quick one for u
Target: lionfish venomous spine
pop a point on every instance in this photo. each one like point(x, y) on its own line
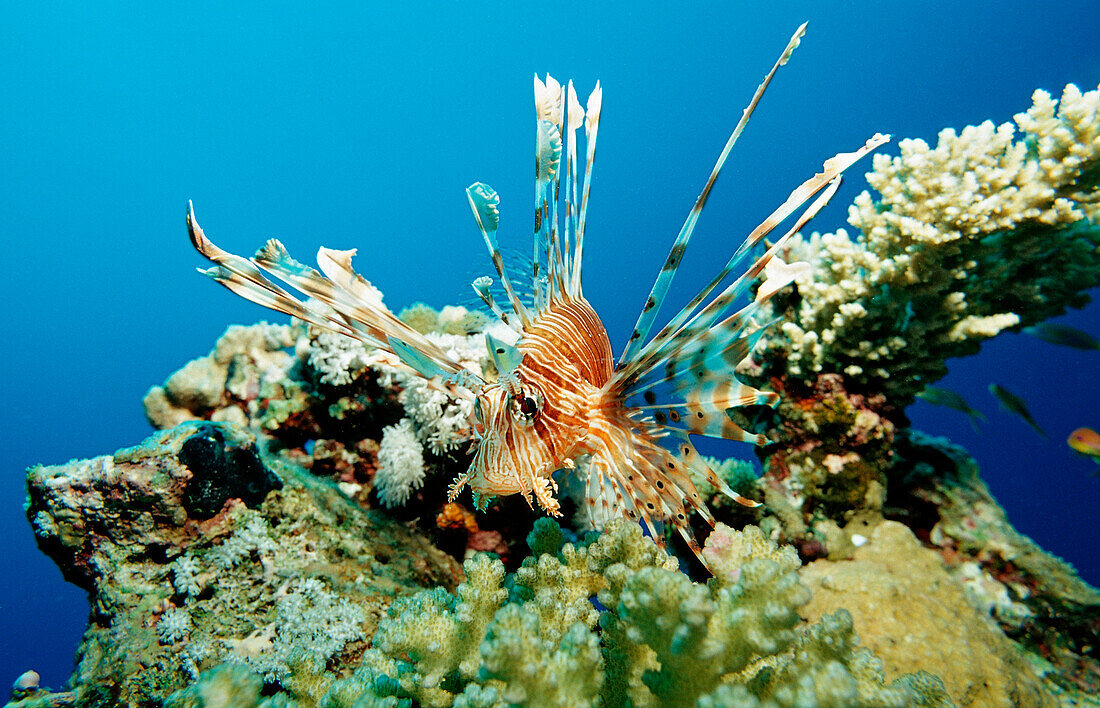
point(561, 399)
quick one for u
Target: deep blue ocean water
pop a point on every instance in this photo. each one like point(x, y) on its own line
point(359, 125)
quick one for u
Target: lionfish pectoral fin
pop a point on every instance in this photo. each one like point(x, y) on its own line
point(338, 300)
point(668, 271)
point(244, 278)
point(414, 359)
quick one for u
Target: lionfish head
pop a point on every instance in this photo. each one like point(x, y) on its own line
point(512, 455)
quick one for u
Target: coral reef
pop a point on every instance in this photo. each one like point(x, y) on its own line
point(661, 639)
point(238, 557)
point(833, 448)
point(1036, 598)
point(232, 566)
point(982, 233)
point(284, 578)
point(531, 638)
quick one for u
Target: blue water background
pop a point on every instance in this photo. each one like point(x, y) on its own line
point(359, 125)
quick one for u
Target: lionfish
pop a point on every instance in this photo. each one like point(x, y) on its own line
point(561, 397)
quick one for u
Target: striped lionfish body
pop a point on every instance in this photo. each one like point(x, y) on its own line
point(561, 399)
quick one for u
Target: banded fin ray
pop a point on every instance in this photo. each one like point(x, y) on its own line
point(700, 358)
point(826, 179)
point(664, 279)
point(353, 308)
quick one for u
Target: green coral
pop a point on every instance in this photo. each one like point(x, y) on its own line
point(654, 638)
point(423, 318)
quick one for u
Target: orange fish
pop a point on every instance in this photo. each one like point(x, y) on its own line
point(563, 400)
point(1085, 441)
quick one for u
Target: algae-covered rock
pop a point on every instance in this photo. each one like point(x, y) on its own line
point(910, 612)
point(199, 548)
point(1037, 598)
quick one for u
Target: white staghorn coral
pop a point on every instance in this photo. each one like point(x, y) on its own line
point(986, 231)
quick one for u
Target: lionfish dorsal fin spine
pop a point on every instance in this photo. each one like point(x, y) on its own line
point(557, 247)
point(574, 119)
point(591, 129)
point(679, 246)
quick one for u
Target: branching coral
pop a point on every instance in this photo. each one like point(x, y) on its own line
point(654, 638)
point(982, 233)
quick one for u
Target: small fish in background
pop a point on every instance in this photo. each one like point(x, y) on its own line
point(1087, 442)
point(1014, 404)
point(1063, 335)
point(949, 399)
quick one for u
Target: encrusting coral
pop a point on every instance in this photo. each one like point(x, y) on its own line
point(916, 600)
point(984, 232)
